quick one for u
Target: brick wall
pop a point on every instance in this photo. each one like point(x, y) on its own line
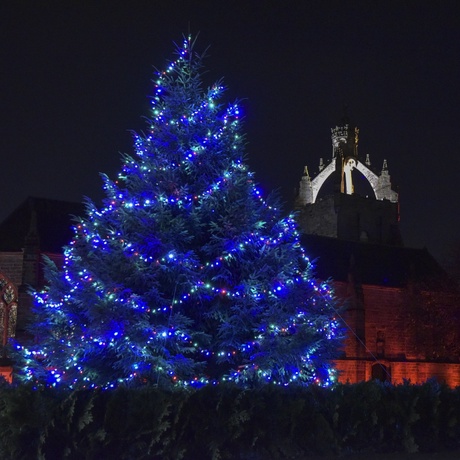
point(352, 371)
point(385, 322)
point(418, 372)
point(390, 348)
point(11, 266)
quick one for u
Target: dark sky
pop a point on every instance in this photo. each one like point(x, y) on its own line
point(75, 77)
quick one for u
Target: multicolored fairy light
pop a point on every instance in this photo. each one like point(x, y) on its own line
point(185, 275)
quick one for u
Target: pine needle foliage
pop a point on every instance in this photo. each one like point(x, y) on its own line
point(186, 275)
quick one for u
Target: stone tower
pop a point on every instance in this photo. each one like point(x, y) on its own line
point(344, 213)
point(348, 213)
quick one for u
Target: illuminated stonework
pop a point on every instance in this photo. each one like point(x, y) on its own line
point(345, 159)
point(363, 211)
point(393, 296)
point(8, 309)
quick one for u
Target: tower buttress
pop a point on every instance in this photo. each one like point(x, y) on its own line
point(305, 189)
point(383, 189)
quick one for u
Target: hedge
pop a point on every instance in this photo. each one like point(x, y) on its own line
point(226, 422)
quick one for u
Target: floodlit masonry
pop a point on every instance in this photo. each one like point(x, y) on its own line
point(393, 295)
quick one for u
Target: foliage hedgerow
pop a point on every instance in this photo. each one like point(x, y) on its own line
point(227, 422)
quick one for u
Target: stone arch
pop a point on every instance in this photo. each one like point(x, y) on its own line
point(321, 178)
point(380, 372)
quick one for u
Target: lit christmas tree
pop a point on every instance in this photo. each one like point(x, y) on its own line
point(185, 275)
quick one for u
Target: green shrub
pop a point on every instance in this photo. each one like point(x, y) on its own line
point(226, 422)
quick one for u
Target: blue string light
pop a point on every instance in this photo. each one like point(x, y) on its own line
point(164, 256)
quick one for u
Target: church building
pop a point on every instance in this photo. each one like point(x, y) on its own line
point(401, 312)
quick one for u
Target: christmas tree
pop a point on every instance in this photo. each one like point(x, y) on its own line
point(184, 275)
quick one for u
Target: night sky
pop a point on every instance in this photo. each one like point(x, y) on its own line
point(75, 79)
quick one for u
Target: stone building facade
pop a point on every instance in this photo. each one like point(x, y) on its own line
point(402, 314)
